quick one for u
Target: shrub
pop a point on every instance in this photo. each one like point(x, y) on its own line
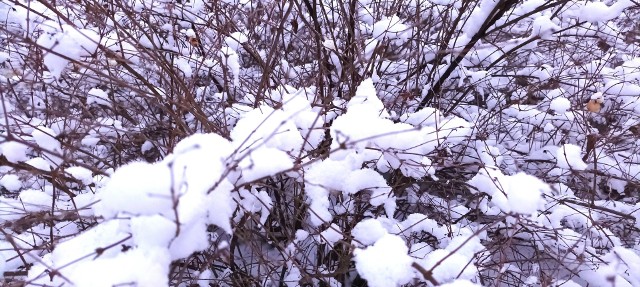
point(319, 143)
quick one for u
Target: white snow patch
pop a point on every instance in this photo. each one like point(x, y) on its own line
point(386, 263)
point(11, 182)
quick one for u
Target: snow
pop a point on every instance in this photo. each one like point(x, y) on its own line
point(420, 250)
point(3, 259)
point(560, 105)
point(386, 263)
point(11, 182)
point(567, 283)
point(84, 201)
point(528, 6)
point(97, 96)
point(519, 193)
point(365, 98)
point(479, 15)
point(35, 200)
point(331, 235)
point(204, 278)
point(39, 163)
point(46, 139)
point(90, 141)
point(138, 188)
point(140, 264)
point(231, 59)
point(184, 67)
point(544, 27)
point(624, 261)
point(598, 11)
point(154, 207)
point(66, 43)
point(255, 201)
point(121, 47)
point(293, 277)
point(235, 40)
point(370, 47)
point(152, 231)
point(489, 155)
point(207, 194)
point(80, 173)
point(393, 29)
point(330, 153)
point(450, 266)
point(14, 151)
point(630, 69)
point(569, 157)
point(263, 162)
point(368, 231)
point(522, 201)
point(143, 266)
point(268, 127)
point(322, 177)
point(467, 244)
point(416, 223)
point(367, 179)
point(146, 146)
point(619, 88)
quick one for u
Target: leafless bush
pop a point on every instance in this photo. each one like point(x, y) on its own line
point(89, 86)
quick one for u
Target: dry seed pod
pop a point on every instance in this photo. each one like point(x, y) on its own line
point(194, 41)
point(594, 105)
point(591, 145)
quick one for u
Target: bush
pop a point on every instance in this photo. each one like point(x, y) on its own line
point(319, 143)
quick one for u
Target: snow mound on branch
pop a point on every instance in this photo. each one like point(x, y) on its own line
point(65, 44)
point(80, 173)
point(328, 176)
point(98, 97)
point(232, 60)
point(519, 193)
point(366, 134)
point(138, 188)
point(450, 265)
point(235, 40)
point(598, 11)
point(560, 104)
point(567, 156)
point(544, 27)
point(368, 231)
point(393, 29)
point(366, 99)
point(386, 263)
point(11, 182)
point(161, 210)
point(14, 151)
point(267, 127)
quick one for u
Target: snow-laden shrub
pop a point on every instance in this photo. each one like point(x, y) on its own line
point(319, 143)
